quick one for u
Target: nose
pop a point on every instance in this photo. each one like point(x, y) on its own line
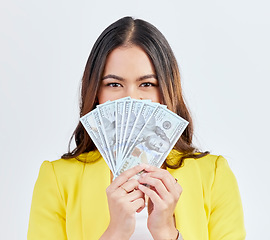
point(133, 93)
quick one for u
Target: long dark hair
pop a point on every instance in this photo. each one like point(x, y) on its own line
point(128, 31)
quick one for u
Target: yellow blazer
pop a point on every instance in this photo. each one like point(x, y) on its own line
point(69, 199)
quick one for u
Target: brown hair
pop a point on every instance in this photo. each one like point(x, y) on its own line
point(129, 31)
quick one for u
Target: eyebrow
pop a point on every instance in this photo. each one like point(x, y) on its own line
point(146, 77)
point(122, 79)
point(113, 76)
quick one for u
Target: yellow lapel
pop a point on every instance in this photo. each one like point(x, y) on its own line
point(190, 216)
point(94, 206)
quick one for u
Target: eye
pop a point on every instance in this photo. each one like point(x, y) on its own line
point(114, 84)
point(147, 84)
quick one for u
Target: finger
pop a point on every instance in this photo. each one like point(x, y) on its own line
point(156, 183)
point(151, 194)
point(130, 185)
point(136, 194)
point(140, 209)
point(125, 176)
point(138, 204)
point(151, 168)
point(168, 180)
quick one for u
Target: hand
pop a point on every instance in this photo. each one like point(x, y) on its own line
point(124, 199)
point(163, 194)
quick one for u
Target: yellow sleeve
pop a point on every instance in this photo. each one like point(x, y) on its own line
point(47, 215)
point(226, 219)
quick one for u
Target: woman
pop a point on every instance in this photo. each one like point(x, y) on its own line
point(75, 197)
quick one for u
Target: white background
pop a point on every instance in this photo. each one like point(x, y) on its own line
point(223, 51)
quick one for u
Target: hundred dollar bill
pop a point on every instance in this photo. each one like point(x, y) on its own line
point(101, 132)
point(107, 117)
point(126, 108)
point(128, 124)
point(90, 125)
point(155, 140)
point(119, 118)
point(141, 116)
point(133, 110)
point(99, 116)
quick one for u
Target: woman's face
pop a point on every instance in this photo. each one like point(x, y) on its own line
point(128, 72)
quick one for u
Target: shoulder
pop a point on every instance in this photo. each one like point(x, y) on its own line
point(215, 166)
point(210, 163)
point(68, 170)
point(207, 163)
point(66, 166)
point(207, 167)
point(58, 176)
point(60, 167)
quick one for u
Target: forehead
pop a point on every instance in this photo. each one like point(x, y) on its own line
point(128, 60)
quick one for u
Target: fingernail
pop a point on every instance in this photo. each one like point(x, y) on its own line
point(144, 174)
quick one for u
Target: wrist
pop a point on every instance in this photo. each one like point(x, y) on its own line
point(166, 234)
point(112, 234)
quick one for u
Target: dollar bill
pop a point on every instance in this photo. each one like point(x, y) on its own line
point(142, 116)
point(126, 109)
point(90, 125)
point(128, 132)
point(119, 120)
point(106, 113)
point(119, 106)
point(155, 140)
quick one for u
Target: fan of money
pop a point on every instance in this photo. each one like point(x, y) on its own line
point(128, 132)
